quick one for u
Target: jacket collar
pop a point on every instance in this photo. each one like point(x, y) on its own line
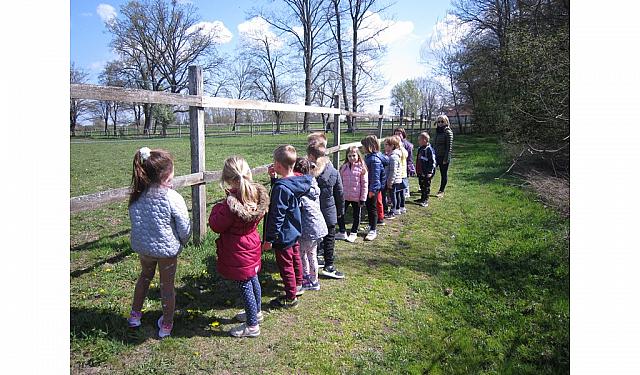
point(244, 212)
point(321, 164)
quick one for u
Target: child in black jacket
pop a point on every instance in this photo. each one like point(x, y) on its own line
point(425, 168)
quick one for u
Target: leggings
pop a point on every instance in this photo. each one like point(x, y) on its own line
point(372, 211)
point(444, 168)
point(398, 191)
point(252, 297)
point(356, 217)
point(167, 268)
point(309, 255)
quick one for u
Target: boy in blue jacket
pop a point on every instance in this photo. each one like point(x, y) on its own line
point(425, 168)
point(284, 223)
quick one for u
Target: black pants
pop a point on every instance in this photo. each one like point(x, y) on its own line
point(443, 176)
point(385, 203)
point(356, 217)
point(425, 187)
point(328, 245)
point(372, 211)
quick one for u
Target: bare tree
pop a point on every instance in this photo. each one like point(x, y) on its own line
point(242, 74)
point(336, 30)
point(312, 42)
point(158, 41)
point(78, 107)
point(429, 92)
point(113, 75)
point(271, 70)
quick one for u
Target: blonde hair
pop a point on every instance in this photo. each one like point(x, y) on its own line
point(370, 144)
point(317, 139)
point(285, 155)
point(443, 118)
point(424, 135)
point(237, 170)
point(360, 160)
point(393, 141)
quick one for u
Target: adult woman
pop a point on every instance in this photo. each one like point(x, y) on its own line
point(443, 144)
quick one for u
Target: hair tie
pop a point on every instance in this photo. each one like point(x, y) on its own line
point(145, 152)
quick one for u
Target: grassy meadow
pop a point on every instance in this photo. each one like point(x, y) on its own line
point(502, 255)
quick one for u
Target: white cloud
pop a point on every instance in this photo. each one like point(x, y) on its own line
point(257, 29)
point(395, 30)
point(106, 12)
point(216, 30)
point(97, 66)
point(446, 32)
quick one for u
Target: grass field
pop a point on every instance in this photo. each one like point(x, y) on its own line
point(503, 254)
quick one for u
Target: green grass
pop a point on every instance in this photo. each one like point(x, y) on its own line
point(504, 255)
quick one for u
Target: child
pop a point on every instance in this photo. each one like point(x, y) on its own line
point(284, 223)
point(394, 179)
point(425, 168)
point(313, 227)
point(331, 202)
point(376, 180)
point(410, 167)
point(238, 246)
point(355, 177)
point(443, 145)
point(160, 228)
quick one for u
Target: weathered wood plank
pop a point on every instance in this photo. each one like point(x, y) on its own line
point(196, 123)
point(121, 94)
point(208, 101)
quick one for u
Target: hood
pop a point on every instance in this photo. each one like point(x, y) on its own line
point(314, 190)
point(397, 151)
point(299, 185)
point(246, 213)
point(321, 164)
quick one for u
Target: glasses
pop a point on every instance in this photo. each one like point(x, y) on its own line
point(439, 122)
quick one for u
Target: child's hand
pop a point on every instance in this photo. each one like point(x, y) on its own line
point(271, 171)
point(370, 194)
point(266, 246)
point(429, 175)
point(362, 203)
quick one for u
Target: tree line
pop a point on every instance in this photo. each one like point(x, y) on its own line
point(329, 44)
point(511, 65)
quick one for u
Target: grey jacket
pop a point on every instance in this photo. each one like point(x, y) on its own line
point(331, 194)
point(313, 224)
point(160, 224)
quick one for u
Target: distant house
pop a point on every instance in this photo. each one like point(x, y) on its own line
point(465, 111)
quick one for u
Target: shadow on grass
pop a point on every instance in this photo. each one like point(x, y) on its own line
point(97, 243)
point(123, 249)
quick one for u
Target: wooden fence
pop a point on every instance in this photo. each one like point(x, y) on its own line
point(196, 103)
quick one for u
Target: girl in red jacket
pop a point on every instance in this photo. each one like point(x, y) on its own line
point(239, 246)
point(355, 178)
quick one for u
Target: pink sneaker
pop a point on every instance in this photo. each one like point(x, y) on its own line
point(134, 319)
point(164, 330)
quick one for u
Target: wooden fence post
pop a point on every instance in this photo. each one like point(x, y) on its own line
point(196, 126)
point(380, 123)
point(401, 119)
point(336, 130)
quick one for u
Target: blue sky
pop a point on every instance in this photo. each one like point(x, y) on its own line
point(413, 22)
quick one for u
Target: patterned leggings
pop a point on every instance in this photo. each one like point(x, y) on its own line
point(252, 296)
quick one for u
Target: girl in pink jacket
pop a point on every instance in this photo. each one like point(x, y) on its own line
point(238, 246)
point(355, 185)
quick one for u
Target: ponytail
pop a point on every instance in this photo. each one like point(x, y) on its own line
point(236, 169)
point(150, 167)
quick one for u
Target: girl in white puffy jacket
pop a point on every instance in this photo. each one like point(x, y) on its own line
point(160, 227)
point(394, 179)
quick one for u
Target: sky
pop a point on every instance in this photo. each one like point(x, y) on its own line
point(34, 150)
point(411, 24)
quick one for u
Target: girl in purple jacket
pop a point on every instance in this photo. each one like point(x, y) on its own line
point(355, 185)
point(239, 245)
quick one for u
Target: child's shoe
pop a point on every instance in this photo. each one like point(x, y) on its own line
point(284, 303)
point(242, 316)
point(424, 204)
point(371, 235)
point(332, 272)
point(396, 212)
point(380, 222)
point(164, 330)
point(341, 236)
point(403, 210)
point(440, 194)
point(134, 319)
point(243, 330)
point(390, 215)
point(307, 284)
point(352, 237)
point(320, 261)
point(299, 290)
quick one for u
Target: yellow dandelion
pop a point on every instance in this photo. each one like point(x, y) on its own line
point(101, 291)
point(108, 270)
point(214, 324)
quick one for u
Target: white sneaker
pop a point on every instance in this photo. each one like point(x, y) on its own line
point(245, 331)
point(352, 237)
point(403, 210)
point(371, 235)
point(164, 330)
point(242, 316)
point(134, 319)
point(341, 236)
point(396, 212)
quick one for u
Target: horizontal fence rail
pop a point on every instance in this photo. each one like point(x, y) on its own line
point(122, 94)
point(103, 198)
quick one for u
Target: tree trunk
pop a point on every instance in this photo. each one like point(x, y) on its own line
point(147, 118)
point(343, 78)
point(235, 119)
